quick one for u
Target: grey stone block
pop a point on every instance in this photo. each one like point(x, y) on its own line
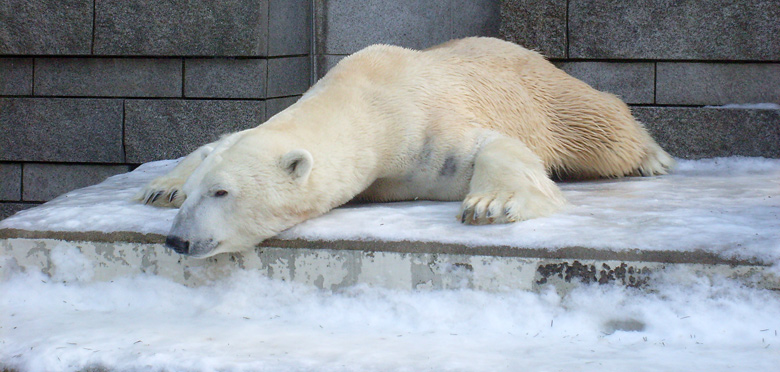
point(695, 133)
point(288, 76)
point(289, 27)
point(633, 82)
point(46, 26)
point(225, 78)
point(168, 129)
point(181, 27)
point(43, 182)
point(9, 209)
point(16, 75)
point(671, 29)
point(61, 129)
point(325, 63)
point(717, 83)
point(536, 24)
point(10, 181)
point(276, 105)
point(111, 77)
point(350, 25)
point(475, 18)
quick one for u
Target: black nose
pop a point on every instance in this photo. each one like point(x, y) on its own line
point(177, 244)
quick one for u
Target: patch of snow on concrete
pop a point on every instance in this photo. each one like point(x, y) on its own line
point(726, 206)
point(748, 106)
point(104, 207)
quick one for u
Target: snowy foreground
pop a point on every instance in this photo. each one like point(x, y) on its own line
point(245, 322)
point(249, 323)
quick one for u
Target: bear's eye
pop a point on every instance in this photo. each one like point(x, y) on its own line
point(220, 193)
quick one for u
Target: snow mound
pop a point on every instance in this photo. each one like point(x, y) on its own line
point(246, 322)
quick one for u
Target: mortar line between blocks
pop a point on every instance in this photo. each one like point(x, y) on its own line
point(313, 43)
point(94, 22)
point(183, 76)
point(267, 65)
point(268, 28)
point(449, 15)
point(267, 53)
point(124, 121)
point(655, 83)
point(32, 84)
point(21, 181)
point(566, 42)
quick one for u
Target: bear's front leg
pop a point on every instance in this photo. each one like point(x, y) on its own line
point(509, 184)
point(166, 191)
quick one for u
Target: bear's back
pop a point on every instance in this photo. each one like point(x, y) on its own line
point(517, 92)
point(500, 86)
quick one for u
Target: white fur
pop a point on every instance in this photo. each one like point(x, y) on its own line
point(478, 120)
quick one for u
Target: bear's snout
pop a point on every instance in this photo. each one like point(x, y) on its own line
point(178, 245)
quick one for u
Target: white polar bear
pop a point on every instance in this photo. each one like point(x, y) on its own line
point(478, 119)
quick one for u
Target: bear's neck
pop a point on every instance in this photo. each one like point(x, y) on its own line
point(351, 140)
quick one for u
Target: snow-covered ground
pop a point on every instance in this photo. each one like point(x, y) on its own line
point(729, 207)
point(246, 322)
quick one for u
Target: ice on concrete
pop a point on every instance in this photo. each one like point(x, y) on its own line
point(728, 206)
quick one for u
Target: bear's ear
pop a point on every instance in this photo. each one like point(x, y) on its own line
point(298, 164)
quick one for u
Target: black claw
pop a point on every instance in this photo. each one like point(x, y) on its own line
point(172, 196)
point(156, 196)
point(488, 214)
point(463, 216)
point(148, 198)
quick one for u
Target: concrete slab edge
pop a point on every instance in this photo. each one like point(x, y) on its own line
point(417, 247)
point(334, 269)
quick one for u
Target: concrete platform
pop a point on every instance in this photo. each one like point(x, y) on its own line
point(717, 218)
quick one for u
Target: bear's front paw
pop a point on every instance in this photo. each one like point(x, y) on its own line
point(483, 209)
point(162, 192)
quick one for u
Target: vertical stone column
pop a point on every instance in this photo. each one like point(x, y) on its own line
point(346, 26)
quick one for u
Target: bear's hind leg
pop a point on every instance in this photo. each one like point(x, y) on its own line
point(509, 184)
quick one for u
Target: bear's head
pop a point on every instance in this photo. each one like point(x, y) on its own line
point(242, 195)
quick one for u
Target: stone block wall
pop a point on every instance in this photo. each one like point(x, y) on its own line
point(346, 26)
point(91, 88)
point(672, 61)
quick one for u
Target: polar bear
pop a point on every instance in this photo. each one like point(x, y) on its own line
point(478, 119)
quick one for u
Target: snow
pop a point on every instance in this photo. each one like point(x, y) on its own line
point(105, 207)
point(748, 106)
point(247, 322)
point(727, 206)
